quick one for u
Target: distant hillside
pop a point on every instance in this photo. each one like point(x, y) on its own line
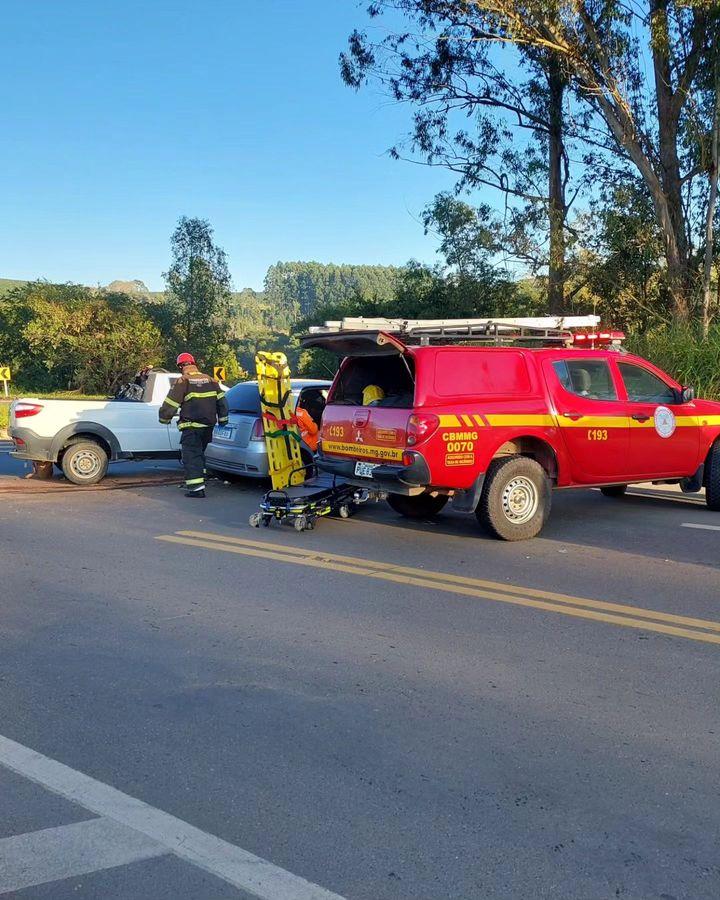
point(135, 287)
point(7, 284)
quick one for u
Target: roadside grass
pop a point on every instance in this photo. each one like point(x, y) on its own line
point(4, 413)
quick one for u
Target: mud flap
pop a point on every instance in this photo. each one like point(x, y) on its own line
point(467, 501)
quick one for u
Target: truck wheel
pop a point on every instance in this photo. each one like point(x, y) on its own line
point(516, 497)
point(614, 490)
point(712, 478)
point(420, 506)
point(85, 463)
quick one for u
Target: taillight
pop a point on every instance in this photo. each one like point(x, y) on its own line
point(420, 426)
point(23, 410)
point(257, 433)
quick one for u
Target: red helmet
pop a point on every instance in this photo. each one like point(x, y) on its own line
point(185, 359)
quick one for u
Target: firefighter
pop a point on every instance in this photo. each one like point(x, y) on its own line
point(199, 403)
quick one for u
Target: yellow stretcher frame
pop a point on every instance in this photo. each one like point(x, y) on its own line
point(282, 435)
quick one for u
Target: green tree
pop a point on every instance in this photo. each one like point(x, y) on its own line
point(653, 121)
point(70, 336)
point(294, 290)
point(198, 290)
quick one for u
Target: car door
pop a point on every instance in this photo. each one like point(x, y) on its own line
point(591, 417)
point(659, 445)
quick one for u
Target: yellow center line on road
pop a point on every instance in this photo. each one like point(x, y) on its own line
point(597, 610)
point(495, 586)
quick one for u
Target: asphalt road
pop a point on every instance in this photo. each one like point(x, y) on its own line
point(377, 708)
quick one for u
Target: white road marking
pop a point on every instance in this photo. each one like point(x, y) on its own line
point(240, 868)
point(69, 851)
point(703, 527)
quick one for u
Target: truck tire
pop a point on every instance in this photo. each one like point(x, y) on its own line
point(421, 506)
point(85, 462)
point(712, 478)
point(516, 498)
point(614, 490)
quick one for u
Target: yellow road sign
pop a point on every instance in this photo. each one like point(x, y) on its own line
point(4, 373)
point(219, 373)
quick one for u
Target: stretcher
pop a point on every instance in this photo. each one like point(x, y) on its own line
point(282, 434)
point(302, 506)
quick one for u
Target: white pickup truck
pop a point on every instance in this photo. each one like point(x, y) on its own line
point(83, 436)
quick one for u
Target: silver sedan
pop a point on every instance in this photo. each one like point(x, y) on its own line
point(238, 448)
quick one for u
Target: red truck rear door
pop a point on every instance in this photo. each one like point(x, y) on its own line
point(591, 416)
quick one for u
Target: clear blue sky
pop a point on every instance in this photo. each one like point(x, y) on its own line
point(118, 117)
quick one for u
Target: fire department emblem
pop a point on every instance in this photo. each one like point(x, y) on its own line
point(664, 422)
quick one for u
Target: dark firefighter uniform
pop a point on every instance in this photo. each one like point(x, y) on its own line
point(200, 403)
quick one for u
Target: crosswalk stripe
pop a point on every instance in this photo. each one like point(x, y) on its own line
point(238, 867)
point(70, 850)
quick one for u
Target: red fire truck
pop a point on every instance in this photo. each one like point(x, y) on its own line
point(494, 414)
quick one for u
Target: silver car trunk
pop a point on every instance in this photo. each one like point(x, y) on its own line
point(237, 432)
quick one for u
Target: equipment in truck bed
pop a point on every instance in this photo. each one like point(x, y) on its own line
point(539, 330)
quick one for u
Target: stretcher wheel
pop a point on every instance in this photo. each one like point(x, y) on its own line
point(344, 511)
point(301, 523)
point(255, 520)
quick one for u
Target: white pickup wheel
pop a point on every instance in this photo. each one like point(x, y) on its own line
point(85, 462)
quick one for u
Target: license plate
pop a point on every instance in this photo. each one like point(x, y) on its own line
point(224, 432)
point(365, 470)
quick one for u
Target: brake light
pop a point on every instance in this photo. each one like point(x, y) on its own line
point(19, 442)
point(258, 434)
point(420, 426)
point(602, 338)
point(23, 410)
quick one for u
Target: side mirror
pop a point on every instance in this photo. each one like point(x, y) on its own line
point(687, 394)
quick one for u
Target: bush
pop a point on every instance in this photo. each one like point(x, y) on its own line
point(682, 353)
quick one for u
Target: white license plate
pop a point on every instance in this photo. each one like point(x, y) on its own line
point(365, 470)
point(225, 432)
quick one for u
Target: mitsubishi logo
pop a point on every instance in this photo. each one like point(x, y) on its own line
point(358, 437)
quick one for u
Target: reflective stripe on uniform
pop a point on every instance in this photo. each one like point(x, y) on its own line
point(223, 421)
point(183, 425)
point(171, 402)
point(199, 395)
point(220, 395)
point(195, 481)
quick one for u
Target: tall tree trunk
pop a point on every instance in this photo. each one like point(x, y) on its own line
point(557, 210)
point(712, 200)
point(672, 217)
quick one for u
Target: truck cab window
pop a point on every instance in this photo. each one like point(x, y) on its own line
point(589, 378)
point(644, 387)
